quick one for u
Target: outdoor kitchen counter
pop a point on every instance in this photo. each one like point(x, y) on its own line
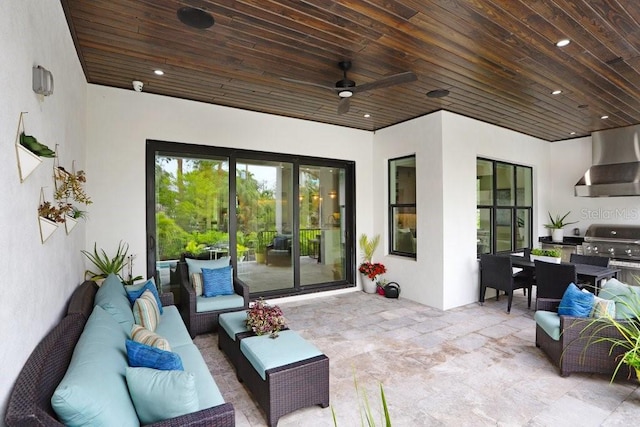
point(568, 240)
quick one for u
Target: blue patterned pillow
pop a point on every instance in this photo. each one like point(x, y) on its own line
point(145, 356)
point(575, 302)
point(218, 281)
point(134, 292)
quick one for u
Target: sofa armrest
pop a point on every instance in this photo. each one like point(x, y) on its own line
point(218, 416)
point(241, 289)
point(547, 304)
point(167, 298)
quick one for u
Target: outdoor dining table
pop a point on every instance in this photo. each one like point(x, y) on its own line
point(591, 273)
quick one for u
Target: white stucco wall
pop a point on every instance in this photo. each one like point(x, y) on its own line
point(120, 121)
point(37, 278)
point(420, 279)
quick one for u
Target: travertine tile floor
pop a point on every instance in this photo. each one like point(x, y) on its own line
point(470, 366)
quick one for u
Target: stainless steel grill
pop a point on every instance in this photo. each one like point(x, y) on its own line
point(621, 243)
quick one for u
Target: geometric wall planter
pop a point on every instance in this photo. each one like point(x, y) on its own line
point(27, 160)
point(69, 223)
point(47, 228)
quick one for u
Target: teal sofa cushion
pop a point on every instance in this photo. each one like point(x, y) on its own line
point(575, 302)
point(549, 321)
point(222, 302)
point(160, 395)
point(233, 323)
point(208, 392)
point(93, 391)
point(626, 297)
point(112, 297)
point(172, 327)
point(266, 353)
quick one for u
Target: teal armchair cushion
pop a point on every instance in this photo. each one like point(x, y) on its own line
point(549, 322)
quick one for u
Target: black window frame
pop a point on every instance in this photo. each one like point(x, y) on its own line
point(393, 206)
point(155, 147)
point(514, 208)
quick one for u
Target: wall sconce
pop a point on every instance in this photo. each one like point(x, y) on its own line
point(332, 194)
point(42, 81)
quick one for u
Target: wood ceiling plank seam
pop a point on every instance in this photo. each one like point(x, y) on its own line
point(543, 51)
point(393, 7)
point(614, 19)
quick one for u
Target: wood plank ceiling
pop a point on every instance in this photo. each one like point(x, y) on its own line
point(497, 58)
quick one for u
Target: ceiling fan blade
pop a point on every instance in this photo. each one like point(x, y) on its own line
point(302, 82)
point(343, 105)
point(407, 76)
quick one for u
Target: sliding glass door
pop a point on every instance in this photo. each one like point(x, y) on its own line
point(285, 221)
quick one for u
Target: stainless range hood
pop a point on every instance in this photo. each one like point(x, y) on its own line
point(616, 164)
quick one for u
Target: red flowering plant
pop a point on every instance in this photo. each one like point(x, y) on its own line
point(263, 318)
point(372, 269)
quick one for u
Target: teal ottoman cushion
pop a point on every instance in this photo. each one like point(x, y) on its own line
point(233, 323)
point(266, 353)
point(549, 321)
point(221, 302)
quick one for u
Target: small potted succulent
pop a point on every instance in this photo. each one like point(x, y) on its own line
point(556, 226)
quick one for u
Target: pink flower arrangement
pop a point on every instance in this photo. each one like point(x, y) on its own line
point(371, 269)
point(263, 318)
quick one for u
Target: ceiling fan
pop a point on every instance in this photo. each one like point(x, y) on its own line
point(346, 88)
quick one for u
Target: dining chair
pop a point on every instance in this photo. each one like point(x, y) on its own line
point(553, 279)
point(496, 271)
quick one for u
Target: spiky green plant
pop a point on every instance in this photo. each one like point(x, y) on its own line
point(368, 246)
point(105, 264)
point(364, 409)
point(558, 222)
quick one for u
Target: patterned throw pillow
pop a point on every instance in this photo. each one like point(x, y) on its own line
point(145, 336)
point(134, 292)
point(145, 356)
point(217, 281)
point(146, 312)
point(196, 281)
point(603, 308)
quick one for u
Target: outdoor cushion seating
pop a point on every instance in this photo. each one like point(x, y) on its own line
point(279, 251)
point(200, 313)
point(571, 343)
point(76, 375)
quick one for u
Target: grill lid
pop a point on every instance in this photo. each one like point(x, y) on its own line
point(629, 234)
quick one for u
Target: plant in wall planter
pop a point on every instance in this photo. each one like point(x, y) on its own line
point(49, 216)
point(556, 226)
point(70, 190)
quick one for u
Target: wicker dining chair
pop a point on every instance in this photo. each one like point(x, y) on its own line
point(496, 271)
point(553, 279)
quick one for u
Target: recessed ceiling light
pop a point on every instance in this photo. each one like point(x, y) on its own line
point(196, 18)
point(556, 92)
point(438, 93)
point(158, 72)
point(366, 116)
point(604, 117)
point(572, 133)
point(563, 42)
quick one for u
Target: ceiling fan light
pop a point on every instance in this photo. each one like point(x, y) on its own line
point(345, 94)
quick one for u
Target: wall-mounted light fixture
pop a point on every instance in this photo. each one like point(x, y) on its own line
point(42, 81)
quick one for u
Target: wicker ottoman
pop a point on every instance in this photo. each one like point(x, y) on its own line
point(232, 328)
point(283, 374)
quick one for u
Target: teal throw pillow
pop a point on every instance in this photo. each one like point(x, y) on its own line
point(145, 356)
point(218, 281)
point(133, 293)
point(626, 298)
point(160, 395)
point(575, 302)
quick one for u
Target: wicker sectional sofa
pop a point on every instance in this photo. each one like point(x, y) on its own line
point(31, 400)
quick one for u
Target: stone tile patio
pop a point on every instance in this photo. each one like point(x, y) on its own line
point(470, 366)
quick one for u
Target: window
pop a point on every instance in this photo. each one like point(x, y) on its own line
point(402, 206)
point(504, 206)
point(284, 220)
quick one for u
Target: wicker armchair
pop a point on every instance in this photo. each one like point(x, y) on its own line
point(576, 350)
point(199, 323)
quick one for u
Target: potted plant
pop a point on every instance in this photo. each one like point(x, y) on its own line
point(263, 318)
point(548, 255)
point(105, 264)
point(556, 226)
point(261, 251)
point(370, 270)
point(49, 216)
